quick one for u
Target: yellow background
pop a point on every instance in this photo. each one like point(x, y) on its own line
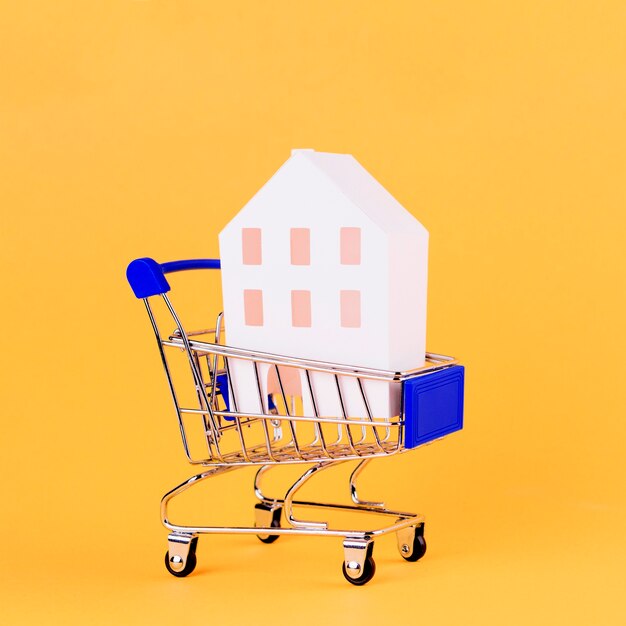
point(140, 128)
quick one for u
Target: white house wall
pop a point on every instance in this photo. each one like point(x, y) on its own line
point(300, 195)
point(408, 276)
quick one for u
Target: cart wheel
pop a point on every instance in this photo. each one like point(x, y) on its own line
point(263, 514)
point(190, 563)
point(369, 569)
point(417, 550)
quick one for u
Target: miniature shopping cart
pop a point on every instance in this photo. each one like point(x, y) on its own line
point(217, 435)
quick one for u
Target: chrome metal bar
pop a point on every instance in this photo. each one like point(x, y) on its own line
point(190, 482)
point(345, 415)
point(205, 420)
point(195, 333)
point(363, 428)
point(369, 412)
point(300, 418)
point(196, 375)
point(257, 485)
point(350, 507)
point(436, 362)
point(353, 492)
point(170, 382)
point(308, 531)
point(217, 331)
point(266, 432)
point(244, 421)
point(292, 428)
point(288, 501)
point(318, 428)
point(287, 455)
point(233, 400)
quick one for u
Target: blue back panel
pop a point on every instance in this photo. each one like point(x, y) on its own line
point(433, 405)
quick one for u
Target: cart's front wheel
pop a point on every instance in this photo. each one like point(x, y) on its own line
point(179, 566)
point(367, 572)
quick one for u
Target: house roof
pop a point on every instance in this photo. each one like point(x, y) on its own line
point(343, 175)
point(362, 189)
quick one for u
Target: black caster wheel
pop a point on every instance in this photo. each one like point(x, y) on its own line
point(418, 549)
point(369, 569)
point(190, 563)
point(263, 516)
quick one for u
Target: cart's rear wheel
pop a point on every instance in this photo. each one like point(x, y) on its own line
point(416, 549)
point(367, 572)
point(173, 564)
point(267, 516)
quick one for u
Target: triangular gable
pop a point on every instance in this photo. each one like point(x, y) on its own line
point(363, 190)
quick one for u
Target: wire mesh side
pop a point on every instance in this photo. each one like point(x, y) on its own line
point(218, 428)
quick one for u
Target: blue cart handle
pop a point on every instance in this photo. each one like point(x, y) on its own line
point(147, 277)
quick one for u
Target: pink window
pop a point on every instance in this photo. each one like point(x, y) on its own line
point(251, 246)
point(289, 377)
point(350, 241)
point(301, 308)
point(350, 302)
point(253, 307)
point(300, 246)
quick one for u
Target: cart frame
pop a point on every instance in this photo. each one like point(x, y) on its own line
point(210, 364)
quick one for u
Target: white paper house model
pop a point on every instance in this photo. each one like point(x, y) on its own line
point(323, 263)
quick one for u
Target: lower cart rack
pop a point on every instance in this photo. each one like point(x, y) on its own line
point(358, 567)
point(239, 408)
